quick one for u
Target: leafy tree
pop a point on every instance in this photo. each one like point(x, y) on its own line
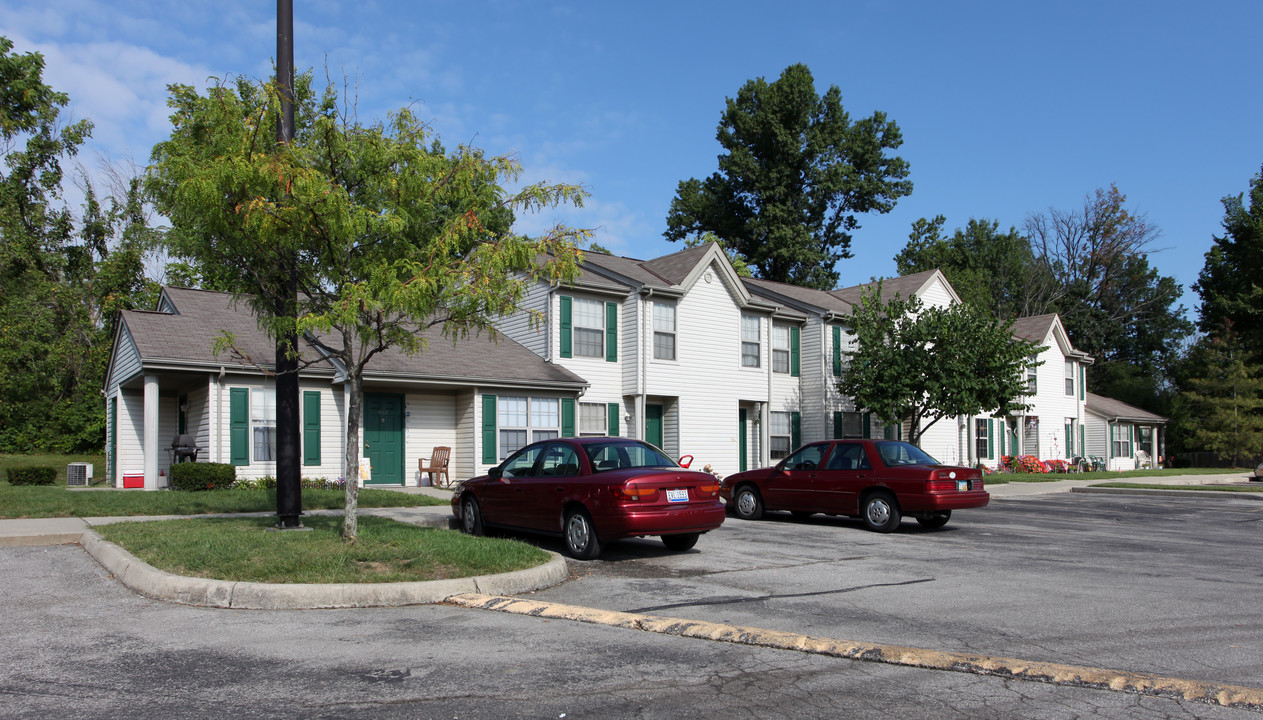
point(1113, 303)
point(61, 281)
point(1228, 284)
point(991, 270)
point(393, 234)
point(795, 174)
point(923, 364)
point(1222, 411)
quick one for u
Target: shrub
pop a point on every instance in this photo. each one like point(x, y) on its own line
point(202, 476)
point(32, 475)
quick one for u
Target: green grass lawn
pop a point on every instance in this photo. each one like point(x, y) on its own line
point(53, 460)
point(242, 549)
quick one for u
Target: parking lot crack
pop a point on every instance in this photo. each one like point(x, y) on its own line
point(736, 600)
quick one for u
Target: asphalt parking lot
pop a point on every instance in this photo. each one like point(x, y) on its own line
point(1171, 586)
point(1167, 586)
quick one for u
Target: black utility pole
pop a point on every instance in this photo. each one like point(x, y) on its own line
point(289, 490)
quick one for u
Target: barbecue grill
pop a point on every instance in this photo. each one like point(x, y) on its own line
point(183, 448)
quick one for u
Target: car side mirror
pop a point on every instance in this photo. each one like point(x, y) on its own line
point(686, 460)
point(495, 473)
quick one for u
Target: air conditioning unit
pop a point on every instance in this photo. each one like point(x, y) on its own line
point(78, 474)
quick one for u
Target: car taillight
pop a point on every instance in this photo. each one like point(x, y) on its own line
point(940, 485)
point(633, 493)
point(708, 490)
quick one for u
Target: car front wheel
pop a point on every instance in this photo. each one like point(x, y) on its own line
point(881, 512)
point(934, 520)
point(747, 503)
point(470, 516)
point(680, 543)
point(580, 536)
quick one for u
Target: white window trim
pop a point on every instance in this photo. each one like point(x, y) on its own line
point(576, 327)
point(757, 342)
point(674, 332)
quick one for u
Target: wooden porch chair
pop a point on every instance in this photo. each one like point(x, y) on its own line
point(437, 466)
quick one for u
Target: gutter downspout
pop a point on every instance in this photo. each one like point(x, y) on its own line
point(219, 416)
point(643, 381)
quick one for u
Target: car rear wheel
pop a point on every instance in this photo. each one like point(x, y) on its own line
point(747, 503)
point(934, 520)
point(680, 543)
point(470, 516)
point(580, 536)
point(881, 512)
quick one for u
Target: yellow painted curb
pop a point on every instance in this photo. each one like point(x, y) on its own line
point(1054, 673)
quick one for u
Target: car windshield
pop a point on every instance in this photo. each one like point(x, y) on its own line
point(623, 455)
point(902, 453)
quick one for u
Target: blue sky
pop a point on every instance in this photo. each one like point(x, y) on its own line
point(1006, 108)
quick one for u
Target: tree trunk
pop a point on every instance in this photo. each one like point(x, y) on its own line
point(350, 521)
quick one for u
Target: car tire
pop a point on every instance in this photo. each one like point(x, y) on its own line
point(934, 520)
point(881, 512)
point(747, 503)
point(801, 514)
point(579, 535)
point(470, 516)
point(680, 543)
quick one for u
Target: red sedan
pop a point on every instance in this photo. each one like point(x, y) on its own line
point(877, 480)
point(592, 491)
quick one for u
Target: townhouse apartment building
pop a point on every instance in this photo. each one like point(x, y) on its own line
point(678, 350)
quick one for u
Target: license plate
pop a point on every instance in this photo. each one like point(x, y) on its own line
point(962, 485)
point(677, 496)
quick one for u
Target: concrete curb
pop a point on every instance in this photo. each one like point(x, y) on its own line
point(149, 581)
point(1223, 494)
point(1012, 668)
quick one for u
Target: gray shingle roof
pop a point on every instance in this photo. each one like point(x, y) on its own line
point(188, 338)
point(1112, 409)
point(662, 272)
point(1034, 328)
point(807, 296)
point(905, 285)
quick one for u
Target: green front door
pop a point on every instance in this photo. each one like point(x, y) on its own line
point(383, 438)
point(653, 425)
point(741, 440)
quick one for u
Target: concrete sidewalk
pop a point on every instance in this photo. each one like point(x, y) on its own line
point(1020, 489)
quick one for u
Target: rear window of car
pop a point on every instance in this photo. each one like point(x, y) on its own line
point(620, 456)
point(902, 453)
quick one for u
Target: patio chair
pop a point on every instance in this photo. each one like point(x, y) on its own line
point(437, 466)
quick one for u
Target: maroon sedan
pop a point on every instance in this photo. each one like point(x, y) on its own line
point(877, 480)
point(591, 491)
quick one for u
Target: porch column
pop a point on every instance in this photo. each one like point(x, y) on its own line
point(149, 443)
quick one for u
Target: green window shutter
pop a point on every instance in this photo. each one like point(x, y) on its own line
point(567, 417)
point(1083, 445)
point(887, 431)
point(611, 332)
point(1083, 384)
point(567, 336)
point(795, 429)
point(1002, 430)
point(1131, 441)
point(489, 454)
point(311, 428)
point(868, 424)
point(239, 426)
point(795, 356)
point(837, 351)
point(1069, 440)
point(990, 438)
point(837, 424)
point(1109, 437)
point(612, 410)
